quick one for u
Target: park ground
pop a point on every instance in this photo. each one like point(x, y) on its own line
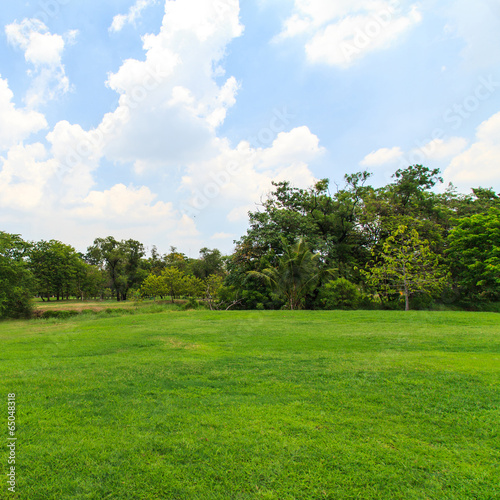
point(168, 404)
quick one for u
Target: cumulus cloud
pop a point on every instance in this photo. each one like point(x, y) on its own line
point(479, 164)
point(440, 149)
point(170, 107)
point(134, 13)
point(340, 33)
point(382, 156)
point(16, 125)
point(238, 177)
point(24, 176)
point(124, 203)
point(171, 103)
point(43, 51)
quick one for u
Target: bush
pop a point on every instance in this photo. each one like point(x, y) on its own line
point(59, 314)
point(339, 294)
point(191, 304)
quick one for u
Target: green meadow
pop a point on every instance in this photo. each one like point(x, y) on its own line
point(254, 405)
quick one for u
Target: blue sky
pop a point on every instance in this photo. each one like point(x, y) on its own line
point(166, 121)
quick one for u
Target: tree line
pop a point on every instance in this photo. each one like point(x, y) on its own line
point(402, 245)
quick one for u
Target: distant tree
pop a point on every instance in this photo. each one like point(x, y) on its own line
point(405, 266)
point(55, 266)
point(213, 287)
point(123, 262)
point(173, 282)
point(329, 222)
point(176, 259)
point(193, 287)
point(152, 286)
point(209, 262)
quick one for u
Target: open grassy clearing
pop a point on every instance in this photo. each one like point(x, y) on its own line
point(79, 305)
point(243, 405)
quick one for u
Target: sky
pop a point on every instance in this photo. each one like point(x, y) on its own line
point(167, 121)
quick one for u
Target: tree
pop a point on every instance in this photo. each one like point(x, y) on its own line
point(194, 287)
point(16, 280)
point(152, 286)
point(405, 266)
point(122, 260)
point(173, 282)
point(329, 222)
point(474, 255)
point(213, 286)
point(55, 267)
point(210, 262)
point(296, 275)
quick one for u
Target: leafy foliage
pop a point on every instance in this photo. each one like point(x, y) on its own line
point(17, 284)
point(339, 294)
point(405, 266)
point(474, 255)
point(295, 276)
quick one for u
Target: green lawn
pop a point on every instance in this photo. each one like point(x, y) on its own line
point(265, 405)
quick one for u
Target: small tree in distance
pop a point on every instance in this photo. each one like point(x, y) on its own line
point(406, 266)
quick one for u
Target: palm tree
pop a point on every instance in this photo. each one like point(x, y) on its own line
point(296, 275)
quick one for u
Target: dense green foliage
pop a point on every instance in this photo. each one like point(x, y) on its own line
point(255, 405)
point(474, 252)
point(358, 228)
point(304, 248)
point(16, 281)
point(405, 266)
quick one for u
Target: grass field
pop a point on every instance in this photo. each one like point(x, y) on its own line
point(255, 405)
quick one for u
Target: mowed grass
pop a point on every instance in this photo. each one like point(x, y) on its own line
point(255, 405)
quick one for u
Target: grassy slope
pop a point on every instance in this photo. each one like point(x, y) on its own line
point(243, 405)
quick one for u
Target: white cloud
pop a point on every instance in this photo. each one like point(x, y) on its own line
point(382, 156)
point(122, 202)
point(24, 176)
point(238, 178)
point(341, 32)
point(479, 165)
point(44, 51)
point(171, 103)
point(78, 153)
point(440, 149)
point(131, 17)
point(16, 125)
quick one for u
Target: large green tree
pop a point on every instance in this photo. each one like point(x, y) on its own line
point(17, 283)
point(474, 255)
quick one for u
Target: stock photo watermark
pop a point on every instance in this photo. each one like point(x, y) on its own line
point(11, 442)
point(48, 9)
point(367, 35)
point(455, 116)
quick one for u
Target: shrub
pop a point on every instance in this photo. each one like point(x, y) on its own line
point(59, 314)
point(339, 294)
